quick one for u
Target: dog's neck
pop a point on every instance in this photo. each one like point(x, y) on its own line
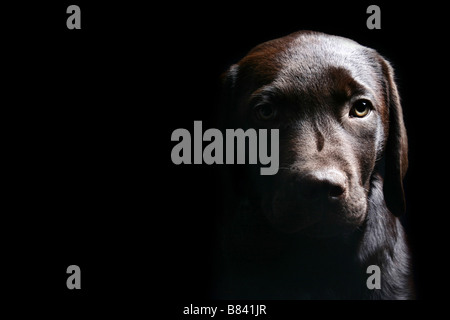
point(384, 244)
point(260, 251)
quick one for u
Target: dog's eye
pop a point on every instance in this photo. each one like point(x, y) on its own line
point(265, 112)
point(361, 108)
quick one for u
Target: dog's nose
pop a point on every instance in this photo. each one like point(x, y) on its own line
point(328, 184)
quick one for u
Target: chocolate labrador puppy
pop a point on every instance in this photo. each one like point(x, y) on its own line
point(312, 230)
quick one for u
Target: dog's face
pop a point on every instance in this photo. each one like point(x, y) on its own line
point(332, 100)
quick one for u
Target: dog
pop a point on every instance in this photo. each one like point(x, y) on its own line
point(312, 230)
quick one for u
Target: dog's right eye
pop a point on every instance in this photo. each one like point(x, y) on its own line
point(361, 108)
point(265, 112)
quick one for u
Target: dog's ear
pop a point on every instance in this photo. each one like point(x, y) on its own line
point(232, 175)
point(396, 156)
point(228, 97)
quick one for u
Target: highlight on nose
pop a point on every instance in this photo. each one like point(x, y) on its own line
point(328, 184)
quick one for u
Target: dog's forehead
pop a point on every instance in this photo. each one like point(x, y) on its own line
point(311, 62)
point(308, 58)
point(317, 49)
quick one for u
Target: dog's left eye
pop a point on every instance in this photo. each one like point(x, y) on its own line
point(361, 108)
point(265, 112)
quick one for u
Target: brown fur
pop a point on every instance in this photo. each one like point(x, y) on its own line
point(336, 171)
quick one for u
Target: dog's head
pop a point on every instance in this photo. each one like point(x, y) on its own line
point(340, 120)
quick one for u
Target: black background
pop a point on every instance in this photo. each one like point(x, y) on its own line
point(88, 127)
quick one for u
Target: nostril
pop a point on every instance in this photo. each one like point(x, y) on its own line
point(328, 184)
point(311, 191)
point(336, 191)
